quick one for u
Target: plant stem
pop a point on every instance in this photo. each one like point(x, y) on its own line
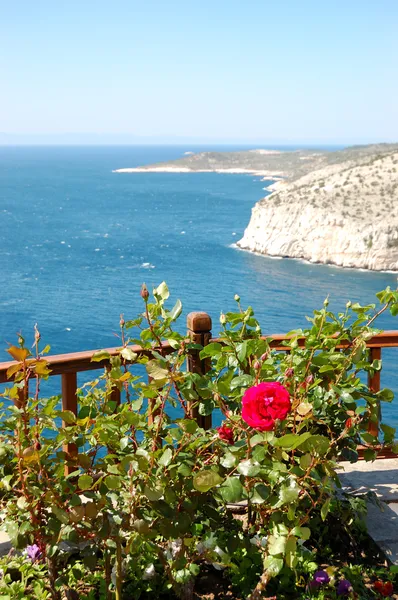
point(118, 591)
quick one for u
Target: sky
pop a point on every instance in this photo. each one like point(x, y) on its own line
point(284, 71)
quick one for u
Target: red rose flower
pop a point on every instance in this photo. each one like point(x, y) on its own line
point(226, 434)
point(385, 589)
point(263, 404)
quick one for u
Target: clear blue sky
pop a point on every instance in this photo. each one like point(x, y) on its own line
point(286, 70)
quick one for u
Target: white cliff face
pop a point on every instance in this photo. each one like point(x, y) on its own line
point(345, 215)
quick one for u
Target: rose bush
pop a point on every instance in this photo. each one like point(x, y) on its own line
point(148, 506)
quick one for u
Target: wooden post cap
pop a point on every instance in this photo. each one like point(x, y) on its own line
point(199, 322)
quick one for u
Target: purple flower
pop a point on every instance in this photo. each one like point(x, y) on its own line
point(344, 587)
point(33, 552)
point(320, 578)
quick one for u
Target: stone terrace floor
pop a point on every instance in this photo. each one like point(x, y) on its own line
point(381, 477)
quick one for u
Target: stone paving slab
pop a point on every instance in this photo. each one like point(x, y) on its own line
point(5, 544)
point(381, 477)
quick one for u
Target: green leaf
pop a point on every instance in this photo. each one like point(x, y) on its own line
point(318, 444)
point(273, 565)
point(260, 494)
point(385, 395)
point(205, 480)
point(325, 509)
point(292, 440)
point(229, 460)
point(176, 310)
point(249, 468)
point(288, 492)
point(211, 350)
point(128, 354)
point(394, 309)
point(290, 551)
point(85, 482)
point(162, 291)
point(277, 544)
point(156, 370)
point(68, 416)
point(166, 457)
point(303, 533)
point(305, 461)
point(100, 355)
point(231, 490)
point(60, 514)
point(389, 433)
point(112, 482)
point(242, 381)
point(153, 494)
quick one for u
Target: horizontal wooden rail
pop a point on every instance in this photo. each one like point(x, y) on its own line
point(76, 362)
point(199, 332)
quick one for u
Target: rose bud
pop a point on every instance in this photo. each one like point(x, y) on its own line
point(226, 434)
point(144, 292)
point(264, 356)
point(237, 298)
point(256, 365)
point(309, 379)
point(348, 423)
point(289, 373)
point(37, 446)
point(223, 319)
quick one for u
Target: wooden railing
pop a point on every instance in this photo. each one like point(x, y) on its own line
point(199, 332)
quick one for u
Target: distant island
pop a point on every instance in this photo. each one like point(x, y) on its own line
point(338, 207)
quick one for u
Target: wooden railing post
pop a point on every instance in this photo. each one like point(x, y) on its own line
point(374, 386)
point(69, 402)
point(199, 332)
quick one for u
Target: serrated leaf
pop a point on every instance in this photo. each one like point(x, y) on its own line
point(67, 416)
point(60, 514)
point(277, 544)
point(289, 492)
point(205, 480)
point(249, 468)
point(166, 457)
point(85, 482)
point(305, 461)
point(100, 355)
point(273, 565)
point(19, 354)
point(292, 440)
point(112, 482)
point(303, 533)
point(128, 354)
point(229, 460)
point(156, 371)
point(260, 494)
point(304, 408)
point(231, 490)
point(153, 494)
point(13, 369)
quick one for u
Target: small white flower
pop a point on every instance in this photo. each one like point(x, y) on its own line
point(149, 573)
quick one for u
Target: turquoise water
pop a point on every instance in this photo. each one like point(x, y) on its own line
point(78, 240)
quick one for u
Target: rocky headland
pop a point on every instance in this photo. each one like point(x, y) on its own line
point(336, 208)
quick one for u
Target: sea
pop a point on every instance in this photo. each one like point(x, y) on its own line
point(78, 240)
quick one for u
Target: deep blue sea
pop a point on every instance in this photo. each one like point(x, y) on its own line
point(77, 241)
